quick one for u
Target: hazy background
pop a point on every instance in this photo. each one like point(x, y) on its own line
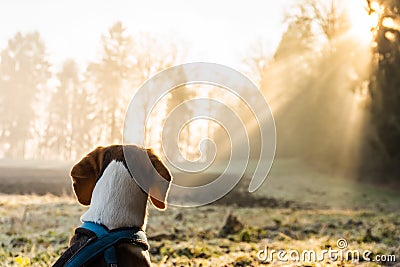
point(329, 70)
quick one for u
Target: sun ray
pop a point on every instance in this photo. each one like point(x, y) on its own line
point(363, 19)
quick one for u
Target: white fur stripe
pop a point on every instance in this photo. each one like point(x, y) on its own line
point(117, 201)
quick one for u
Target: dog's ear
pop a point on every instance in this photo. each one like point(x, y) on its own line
point(85, 173)
point(159, 192)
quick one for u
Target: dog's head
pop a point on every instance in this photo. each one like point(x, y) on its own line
point(140, 162)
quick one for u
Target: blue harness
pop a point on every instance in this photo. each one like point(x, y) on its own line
point(102, 240)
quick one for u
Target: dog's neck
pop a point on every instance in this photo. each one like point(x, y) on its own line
point(117, 201)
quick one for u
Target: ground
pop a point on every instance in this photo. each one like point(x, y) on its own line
point(296, 209)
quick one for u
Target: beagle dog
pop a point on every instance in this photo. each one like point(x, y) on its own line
point(103, 180)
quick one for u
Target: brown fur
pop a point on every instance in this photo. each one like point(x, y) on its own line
point(86, 172)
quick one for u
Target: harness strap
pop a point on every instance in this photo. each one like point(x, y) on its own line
point(104, 240)
point(110, 255)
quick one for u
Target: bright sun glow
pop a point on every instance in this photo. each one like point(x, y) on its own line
point(362, 23)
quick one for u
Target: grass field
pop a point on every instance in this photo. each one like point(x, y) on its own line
point(297, 208)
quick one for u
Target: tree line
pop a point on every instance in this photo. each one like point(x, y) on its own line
point(64, 114)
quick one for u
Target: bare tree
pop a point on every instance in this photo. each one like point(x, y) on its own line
point(151, 55)
point(329, 17)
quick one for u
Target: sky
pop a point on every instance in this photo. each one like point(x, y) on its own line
point(216, 31)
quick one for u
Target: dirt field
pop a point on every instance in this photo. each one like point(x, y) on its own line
point(296, 208)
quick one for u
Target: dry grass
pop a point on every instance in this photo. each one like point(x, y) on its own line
point(296, 208)
point(36, 229)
